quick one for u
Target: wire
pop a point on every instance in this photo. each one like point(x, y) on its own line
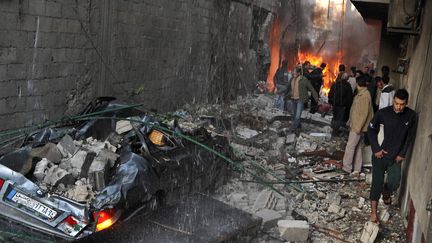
point(235, 165)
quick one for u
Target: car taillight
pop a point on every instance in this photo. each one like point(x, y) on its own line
point(105, 218)
point(1, 183)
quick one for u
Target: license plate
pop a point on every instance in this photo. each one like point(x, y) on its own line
point(32, 204)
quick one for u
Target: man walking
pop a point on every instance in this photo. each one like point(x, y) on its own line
point(399, 122)
point(360, 115)
point(298, 93)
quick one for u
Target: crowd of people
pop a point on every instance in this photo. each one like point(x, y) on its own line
point(364, 105)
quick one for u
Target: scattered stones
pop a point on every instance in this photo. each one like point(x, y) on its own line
point(293, 230)
point(67, 146)
point(56, 175)
point(48, 151)
point(246, 133)
point(333, 208)
point(369, 233)
point(270, 218)
point(265, 200)
point(41, 169)
point(342, 207)
point(123, 126)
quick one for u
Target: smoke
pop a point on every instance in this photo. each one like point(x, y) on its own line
point(331, 29)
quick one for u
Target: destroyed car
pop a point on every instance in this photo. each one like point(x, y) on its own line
point(103, 166)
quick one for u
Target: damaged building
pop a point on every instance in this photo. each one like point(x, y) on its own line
point(191, 149)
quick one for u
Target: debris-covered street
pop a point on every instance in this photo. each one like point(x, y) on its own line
point(294, 183)
point(191, 121)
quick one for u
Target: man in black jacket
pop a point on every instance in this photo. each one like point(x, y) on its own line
point(341, 98)
point(316, 79)
point(399, 122)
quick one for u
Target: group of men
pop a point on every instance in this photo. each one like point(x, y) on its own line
point(374, 112)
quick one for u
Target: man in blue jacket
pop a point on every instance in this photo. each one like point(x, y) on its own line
point(399, 122)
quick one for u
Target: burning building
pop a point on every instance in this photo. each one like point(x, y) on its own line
point(322, 31)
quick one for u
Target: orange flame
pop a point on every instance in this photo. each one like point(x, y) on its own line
point(329, 73)
point(274, 53)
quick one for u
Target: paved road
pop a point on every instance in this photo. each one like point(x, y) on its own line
point(197, 218)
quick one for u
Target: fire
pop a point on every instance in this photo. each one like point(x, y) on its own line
point(274, 53)
point(329, 73)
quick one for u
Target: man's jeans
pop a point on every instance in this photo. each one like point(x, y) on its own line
point(280, 102)
point(296, 111)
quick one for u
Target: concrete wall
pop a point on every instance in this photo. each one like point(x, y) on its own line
point(57, 55)
point(419, 166)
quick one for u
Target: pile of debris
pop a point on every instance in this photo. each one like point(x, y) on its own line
point(76, 169)
point(294, 182)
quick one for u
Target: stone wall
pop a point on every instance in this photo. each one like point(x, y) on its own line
point(418, 168)
point(57, 55)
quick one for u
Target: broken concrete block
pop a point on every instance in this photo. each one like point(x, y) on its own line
point(293, 230)
point(369, 233)
point(280, 206)
point(270, 218)
point(79, 193)
point(384, 216)
point(108, 155)
point(98, 173)
point(67, 146)
point(56, 175)
point(123, 126)
point(110, 147)
point(245, 133)
point(77, 162)
point(49, 151)
point(265, 200)
point(333, 208)
point(41, 169)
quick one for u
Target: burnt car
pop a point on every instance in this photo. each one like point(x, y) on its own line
point(103, 166)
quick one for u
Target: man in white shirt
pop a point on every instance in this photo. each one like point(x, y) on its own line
point(387, 93)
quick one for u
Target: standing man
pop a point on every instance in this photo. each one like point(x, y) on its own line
point(399, 122)
point(298, 93)
point(281, 80)
point(316, 78)
point(387, 93)
point(341, 98)
point(360, 115)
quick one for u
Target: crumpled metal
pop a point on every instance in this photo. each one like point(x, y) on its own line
point(134, 174)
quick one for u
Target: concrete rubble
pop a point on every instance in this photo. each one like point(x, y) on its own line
point(294, 230)
point(334, 210)
point(294, 182)
point(76, 169)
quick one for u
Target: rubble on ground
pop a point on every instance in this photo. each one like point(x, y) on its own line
point(310, 198)
point(76, 169)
